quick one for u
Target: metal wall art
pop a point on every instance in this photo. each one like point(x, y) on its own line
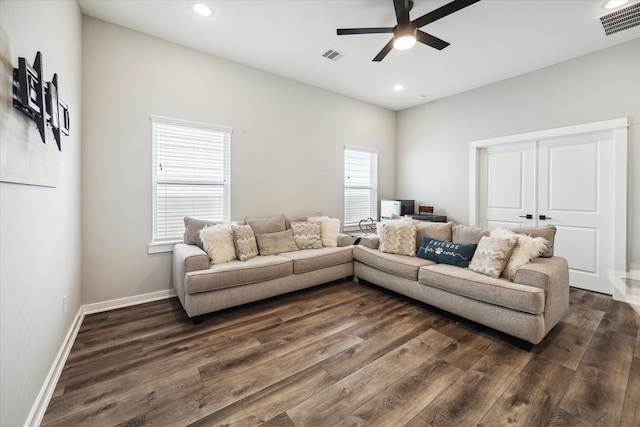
point(39, 99)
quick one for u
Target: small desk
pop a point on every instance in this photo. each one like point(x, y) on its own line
point(430, 218)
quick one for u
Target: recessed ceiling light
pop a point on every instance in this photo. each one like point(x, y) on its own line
point(612, 4)
point(202, 9)
point(398, 88)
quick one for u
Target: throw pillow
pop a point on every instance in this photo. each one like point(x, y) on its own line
point(307, 235)
point(400, 220)
point(329, 230)
point(399, 238)
point(267, 225)
point(218, 243)
point(276, 243)
point(245, 242)
point(192, 227)
point(491, 255)
point(468, 234)
point(444, 252)
point(547, 232)
point(526, 248)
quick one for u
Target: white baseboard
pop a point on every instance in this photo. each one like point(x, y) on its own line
point(46, 392)
point(44, 396)
point(99, 307)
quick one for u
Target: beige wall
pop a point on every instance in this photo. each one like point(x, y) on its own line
point(39, 226)
point(286, 156)
point(433, 139)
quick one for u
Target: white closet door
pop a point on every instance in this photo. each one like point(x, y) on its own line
point(507, 185)
point(576, 194)
point(574, 178)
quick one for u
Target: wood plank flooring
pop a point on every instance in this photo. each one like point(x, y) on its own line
point(348, 354)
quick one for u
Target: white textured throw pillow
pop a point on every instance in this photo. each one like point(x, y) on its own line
point(329, 230)
point(399, 237)
point(218, 243)
point(307, 234)
point(491, 255)
point(526, 248)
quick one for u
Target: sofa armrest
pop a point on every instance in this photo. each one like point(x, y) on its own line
point(187, 258)
point(345, 240)
point(552, 275)
point(371, 242)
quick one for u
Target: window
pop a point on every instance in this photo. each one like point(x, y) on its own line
point(360, 185)
point(191, 175)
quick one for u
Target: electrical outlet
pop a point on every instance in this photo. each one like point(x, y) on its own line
point(64, 304)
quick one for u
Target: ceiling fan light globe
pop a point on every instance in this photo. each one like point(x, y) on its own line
point(404, 42)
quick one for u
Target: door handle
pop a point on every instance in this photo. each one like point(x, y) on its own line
point(544, 217)
point(528, 216)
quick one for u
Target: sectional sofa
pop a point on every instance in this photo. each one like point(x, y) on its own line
point(526, 306)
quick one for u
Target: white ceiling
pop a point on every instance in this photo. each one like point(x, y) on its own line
point(490, 41)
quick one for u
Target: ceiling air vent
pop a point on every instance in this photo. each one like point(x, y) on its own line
point(620, 20)
point(333, 55)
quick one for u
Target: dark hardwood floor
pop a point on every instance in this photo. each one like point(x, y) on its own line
point(348, 354)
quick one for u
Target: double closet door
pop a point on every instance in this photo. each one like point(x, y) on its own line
point(567, 181)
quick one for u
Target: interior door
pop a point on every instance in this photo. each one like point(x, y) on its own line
point(576, 194)
point(507, 185)
point(565, 181)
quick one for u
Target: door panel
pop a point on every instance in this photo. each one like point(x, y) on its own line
point(576, 192)
point(579, 245)
point(574, 177)
point(507, 185)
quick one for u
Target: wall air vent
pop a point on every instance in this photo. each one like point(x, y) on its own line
point(620, 20)
point(333, 55)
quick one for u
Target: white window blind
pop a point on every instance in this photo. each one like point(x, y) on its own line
point(360, 185)
point(191, 175)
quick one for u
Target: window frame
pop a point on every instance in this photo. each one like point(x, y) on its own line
point(372, 186)
point(165, 244)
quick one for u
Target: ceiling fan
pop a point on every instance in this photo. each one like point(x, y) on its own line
point(407, 32)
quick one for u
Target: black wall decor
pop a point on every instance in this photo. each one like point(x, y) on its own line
point(39, 100)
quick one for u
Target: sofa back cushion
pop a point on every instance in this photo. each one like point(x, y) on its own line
point(192, 227)
point(468, 234)
point(433, 230)
point(267, 225)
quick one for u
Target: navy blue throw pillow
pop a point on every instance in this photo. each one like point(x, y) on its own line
point(459, 254)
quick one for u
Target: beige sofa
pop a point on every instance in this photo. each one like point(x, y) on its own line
point(203, 287)
point(526, 308)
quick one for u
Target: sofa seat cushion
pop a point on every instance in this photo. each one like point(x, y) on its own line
point(399, 265)
point(462, 281)
point(238, 273)
point(306, 260)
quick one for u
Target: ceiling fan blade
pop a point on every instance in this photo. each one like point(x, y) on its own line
point(402, 11)
point(430, 40)
point(443, 11)
point(385, 50)
point(376, 30)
